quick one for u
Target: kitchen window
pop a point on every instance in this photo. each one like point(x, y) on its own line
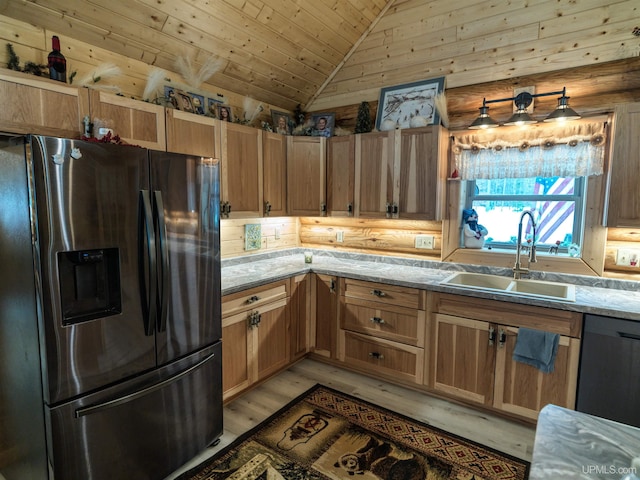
point(557, 204)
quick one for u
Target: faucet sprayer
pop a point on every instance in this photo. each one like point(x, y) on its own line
point(517, 268)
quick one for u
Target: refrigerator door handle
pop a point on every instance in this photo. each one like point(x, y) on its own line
point(83, 412)
point(147, 271)
point(163, 267)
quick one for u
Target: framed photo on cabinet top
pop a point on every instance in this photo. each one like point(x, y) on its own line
point(281, 122)
point(184, 101)
point(198, 104)
point(401, 104)
point(323, 124)
point(224, 113)
point(212, 107)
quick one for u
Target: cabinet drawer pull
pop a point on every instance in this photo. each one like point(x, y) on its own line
point(376, 355)
point(377, 320)
point(378, 293)
point(253, 299)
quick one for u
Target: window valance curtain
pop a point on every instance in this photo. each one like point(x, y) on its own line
point(573, 150)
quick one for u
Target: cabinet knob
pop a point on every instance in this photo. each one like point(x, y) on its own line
point(389, 210)
point(253, 299)
point(378, 293)
point(323, 209)
point(502, 338)
point(267, 208)
point(332, 286)
point(350, 208)
point(376, 355)
point(377, 320)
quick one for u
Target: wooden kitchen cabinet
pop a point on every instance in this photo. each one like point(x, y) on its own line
point(136, 122)
point(300, 315)
point(41, 106)
point(255, 336)
point(241, 178)
point(306, 176)
point(421, 173)
point(472, 344)
point(274, 170)
point(375, 172)
point(382, 330)
point(623, 209)
point(341, 175)
point(192, 134)
point(324, 315)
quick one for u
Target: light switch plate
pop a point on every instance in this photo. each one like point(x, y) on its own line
point(340, 236)
point(424, 241)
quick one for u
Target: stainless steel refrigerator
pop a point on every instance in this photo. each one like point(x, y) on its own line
point(110, 351)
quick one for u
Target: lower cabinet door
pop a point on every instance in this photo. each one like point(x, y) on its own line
point(380, 356)
point(463, 358)
point(271, 339)
point(524, 390)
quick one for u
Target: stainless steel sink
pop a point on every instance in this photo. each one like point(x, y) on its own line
point(509, 286)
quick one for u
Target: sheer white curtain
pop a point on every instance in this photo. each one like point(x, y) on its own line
point(572, 150)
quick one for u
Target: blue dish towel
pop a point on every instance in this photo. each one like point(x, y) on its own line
point(536, 348)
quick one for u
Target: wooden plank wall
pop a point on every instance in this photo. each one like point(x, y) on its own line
point(232, 235)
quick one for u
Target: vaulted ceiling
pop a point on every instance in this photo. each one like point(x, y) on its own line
point(326, 53)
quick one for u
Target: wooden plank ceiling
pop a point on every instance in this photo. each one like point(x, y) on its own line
point(325, 54)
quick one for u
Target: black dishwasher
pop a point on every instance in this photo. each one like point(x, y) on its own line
point(609, 378)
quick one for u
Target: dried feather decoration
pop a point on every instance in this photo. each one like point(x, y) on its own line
point(99, 74)
point(251, 109)
point(195, 79)
point(440, 102)
point(155, 80)
point(341, 132)
point(304, 128)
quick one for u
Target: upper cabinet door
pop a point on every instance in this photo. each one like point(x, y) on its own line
point(341, 175)
point(137, 123)
point(375, 162)
point(274, 170)
point(624, 196)
point(241, 171)
point(419, 189)
point(192, 134)
point(306, 176)
point(31, 104)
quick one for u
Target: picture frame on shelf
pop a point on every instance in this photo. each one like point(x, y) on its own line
point(323, 124)
point(170, 96)
point(212, 107)
point(281, 122)
point(185, 103)
point(197, 101)
point(409, 104)
point(225, 113)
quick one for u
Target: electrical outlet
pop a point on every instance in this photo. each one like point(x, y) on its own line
point(424, 241)
point(276, 234)
point(628, 257)
point(339, 236)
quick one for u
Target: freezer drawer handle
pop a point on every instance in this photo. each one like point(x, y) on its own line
point(83, 412)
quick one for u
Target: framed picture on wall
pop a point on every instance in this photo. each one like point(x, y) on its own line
point(323, 124)
point(400, 104)
point(281, 122)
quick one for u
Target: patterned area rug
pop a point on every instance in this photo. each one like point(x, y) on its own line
point(325, 434)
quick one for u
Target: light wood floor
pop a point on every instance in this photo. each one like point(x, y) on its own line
point(258, 404)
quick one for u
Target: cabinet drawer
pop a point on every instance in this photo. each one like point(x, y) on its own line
point(382, 293)
point(384, 321)
point(382, 356)
point(253, 299)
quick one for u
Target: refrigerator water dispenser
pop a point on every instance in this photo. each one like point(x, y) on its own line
point(89, 284)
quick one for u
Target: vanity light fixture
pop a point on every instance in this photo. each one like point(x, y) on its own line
point(521, 116)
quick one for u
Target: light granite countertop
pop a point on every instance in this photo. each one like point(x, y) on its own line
point(574, 445)
point(594, 295)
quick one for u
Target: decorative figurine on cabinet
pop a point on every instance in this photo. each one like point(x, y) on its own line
point(474, 233)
